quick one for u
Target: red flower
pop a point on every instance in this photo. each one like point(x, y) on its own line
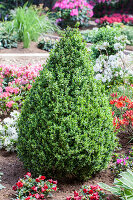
point(113, 113)
point(91, 192)
point(28, 174)
point(14, 188)
point(42, 178)
point(55, 188)
point(37, 180)
point(19, 184)
point(27, 198)
point(50, 180)
point(76, 194)
point(119, 104)
point(45, 187)
point(85, 190)
point(54, 182)
point(114, 95)
point(34, 188)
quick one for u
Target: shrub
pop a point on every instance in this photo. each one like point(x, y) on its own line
point(65, 127)
point(72, 11)
point(29, 188)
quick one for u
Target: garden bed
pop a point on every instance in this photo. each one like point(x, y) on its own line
point(34, 49)
point(13, 170)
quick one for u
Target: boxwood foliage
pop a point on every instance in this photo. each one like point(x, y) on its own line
point(65, 127)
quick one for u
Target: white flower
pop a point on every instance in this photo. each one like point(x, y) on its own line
point(97, 67)
point(121, 73)
point(98, 77)
point(104, 79)
point(118, 46)
point(1, 129)
point(6, 141)
point(8, 121)
point(15, 114)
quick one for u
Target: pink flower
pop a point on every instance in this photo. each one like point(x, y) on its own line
point(10, 104)
point(37, 196)
point(1, 90)
point(29, 87)
point(74, 12)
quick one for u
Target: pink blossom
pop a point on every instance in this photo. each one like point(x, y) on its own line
point(74, 12)
point(10, 104)
point(29, 87)
point(1, 90)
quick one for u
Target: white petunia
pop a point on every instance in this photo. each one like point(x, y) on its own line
point(98, 77)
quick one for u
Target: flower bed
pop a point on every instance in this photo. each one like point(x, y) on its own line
point(115, 18)
point(14, 83)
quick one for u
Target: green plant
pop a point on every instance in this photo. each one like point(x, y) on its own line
point(90, 192)
point(111, 35)
point(121, 163)
point(46, 45)
point(123, 186)
point(65, 127)
point(38, 188)
point(7, 40)
point(128, 31)
point(28, 23)
point(70, 12)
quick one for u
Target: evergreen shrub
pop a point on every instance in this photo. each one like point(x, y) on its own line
point(65, 127)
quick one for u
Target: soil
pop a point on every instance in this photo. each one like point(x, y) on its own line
point(13, 170)
point(32, 49)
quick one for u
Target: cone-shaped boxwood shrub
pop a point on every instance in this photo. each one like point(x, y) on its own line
point(66, 124)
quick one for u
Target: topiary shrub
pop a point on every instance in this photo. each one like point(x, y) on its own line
point(65, 127)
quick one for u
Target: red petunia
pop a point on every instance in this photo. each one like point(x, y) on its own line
point(19, 184)
point(42, 178)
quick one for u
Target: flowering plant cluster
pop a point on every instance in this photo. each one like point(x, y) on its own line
point(47, 44)
point(115, 18)
point(29, 188)
point(122, 112)
point(89, 192)
point(109, 59)
point(15, 83)
point(72, 11)
point(9, 132)
point(110, 69)
point(121, 163)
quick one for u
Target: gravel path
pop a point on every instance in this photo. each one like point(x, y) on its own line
point(22, 60)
